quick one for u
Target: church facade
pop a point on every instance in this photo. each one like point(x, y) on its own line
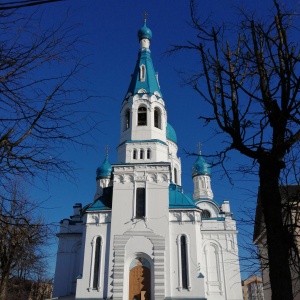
point(142, 237)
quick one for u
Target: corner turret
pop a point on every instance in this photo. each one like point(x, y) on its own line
point(201, 173)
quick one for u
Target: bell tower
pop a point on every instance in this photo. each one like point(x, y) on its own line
point(143, 113)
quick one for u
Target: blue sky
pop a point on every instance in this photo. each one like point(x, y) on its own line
point(109, 30)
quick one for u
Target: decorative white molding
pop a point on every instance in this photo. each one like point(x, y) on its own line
point(119, 245)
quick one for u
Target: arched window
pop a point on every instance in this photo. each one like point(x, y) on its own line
point(175, 176)
point(148, 153)
point(127, 119)
point(95, 264)
point(157, 118)
point(142, 116)
point(141, 154)
point(183, 262)
point(205, 214)
point(142, 73)
point(140, 203)
point(134, 154)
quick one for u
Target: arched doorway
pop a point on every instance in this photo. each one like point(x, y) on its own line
point(139, 279)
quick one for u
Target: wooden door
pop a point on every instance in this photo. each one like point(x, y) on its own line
point(139, 283)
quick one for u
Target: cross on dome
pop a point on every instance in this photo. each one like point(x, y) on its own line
point(106, 150)
point(145, 16)
point(199, 148)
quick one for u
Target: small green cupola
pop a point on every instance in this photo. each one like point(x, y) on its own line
point(201, 167)
point(144, 32)
point(105, 170)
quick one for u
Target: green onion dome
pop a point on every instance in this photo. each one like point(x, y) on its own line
point(201, 167)
point(144, 32)
point(105, 170)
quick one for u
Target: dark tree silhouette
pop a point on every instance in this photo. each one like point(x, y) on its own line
point(252, 85)
point(23, 236)
point(24, 3)
point(42, 107)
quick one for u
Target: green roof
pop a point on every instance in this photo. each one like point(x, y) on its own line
point(178, 200)
point(171, 134)
point(104, 202)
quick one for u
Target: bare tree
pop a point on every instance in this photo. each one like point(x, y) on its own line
point(41, 105)
point(252, 85)
point(24, 3)
point(23, 236)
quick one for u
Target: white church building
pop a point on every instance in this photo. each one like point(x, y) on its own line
point(142, 238)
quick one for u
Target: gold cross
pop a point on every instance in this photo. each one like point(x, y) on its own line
point(145, 17)
point(106, 150)
point(199, 147)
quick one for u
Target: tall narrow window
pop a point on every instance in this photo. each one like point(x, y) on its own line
point(134, 155)
point(183, 248)
point(96, 263)
point(142, 116)
point(148, 153)
point(142, 73)
point(183, 262)
point(140, 202)
point(157, 118)
point(175, 176)
point(141, 154)
point(127, 119)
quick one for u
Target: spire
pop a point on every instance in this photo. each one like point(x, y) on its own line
point(144, 78)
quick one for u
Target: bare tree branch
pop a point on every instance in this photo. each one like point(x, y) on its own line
point(250, 78)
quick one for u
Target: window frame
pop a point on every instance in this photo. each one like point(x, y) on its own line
point(205, 214)
point(142, 116)
point(148, 155)
point(175, 175)
point(142, 152)
point(127, 119)
point(134, 154)
point(157, 118)
point(142, 73)
point(140, 203)
point(183, 283)
point(96, 260)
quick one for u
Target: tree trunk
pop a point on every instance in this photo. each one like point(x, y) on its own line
point(277, 236)
point(3, 286)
